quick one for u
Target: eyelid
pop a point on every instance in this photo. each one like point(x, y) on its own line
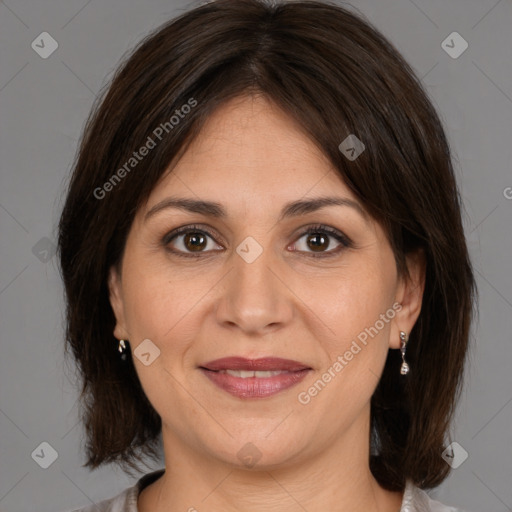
point(188, 228)
point(343, 239)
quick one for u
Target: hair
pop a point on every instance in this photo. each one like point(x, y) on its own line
point(332, 72)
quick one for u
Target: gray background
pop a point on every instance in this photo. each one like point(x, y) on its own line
point(44, 103)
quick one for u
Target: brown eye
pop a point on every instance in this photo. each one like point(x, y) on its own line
point(318, 242)
point(194, 241)
point(190, 241)
point(318, 239)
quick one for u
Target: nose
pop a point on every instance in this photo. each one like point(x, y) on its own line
point(255, 297)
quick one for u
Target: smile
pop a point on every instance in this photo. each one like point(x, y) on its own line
point(244, 374)
point(254, 384)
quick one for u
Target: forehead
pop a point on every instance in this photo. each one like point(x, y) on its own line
point(249, 150)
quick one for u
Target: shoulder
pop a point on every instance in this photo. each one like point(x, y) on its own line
point(126, 501)
point(417, 500)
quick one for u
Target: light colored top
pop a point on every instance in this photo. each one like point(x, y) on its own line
point(414, 500)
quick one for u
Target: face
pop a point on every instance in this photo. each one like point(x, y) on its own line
point(254, 283)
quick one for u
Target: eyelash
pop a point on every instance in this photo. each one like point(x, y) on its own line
point(316, 229)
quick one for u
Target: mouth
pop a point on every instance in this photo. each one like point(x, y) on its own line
point(263, 364)
point(254, 378)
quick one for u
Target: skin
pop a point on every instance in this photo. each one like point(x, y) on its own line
point(252, 158)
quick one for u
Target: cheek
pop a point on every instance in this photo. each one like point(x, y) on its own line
point(355, 358)
point(357, 310)
point(355, 301)
point(169, 309)
point(156, 296)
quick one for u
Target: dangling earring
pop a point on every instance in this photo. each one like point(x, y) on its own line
point(123, 351)
point(404, 369)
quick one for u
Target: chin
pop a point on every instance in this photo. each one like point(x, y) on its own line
point(262, 450)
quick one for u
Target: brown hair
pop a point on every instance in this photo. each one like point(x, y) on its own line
point(336, 75)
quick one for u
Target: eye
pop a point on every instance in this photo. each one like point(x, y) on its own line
point(319, 238)
point(194, 241)
point(188, 240)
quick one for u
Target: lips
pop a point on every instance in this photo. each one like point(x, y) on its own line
point(268, 364)
point(254, 378)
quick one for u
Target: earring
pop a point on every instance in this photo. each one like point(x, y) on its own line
point(404, 369)
point(123, 351)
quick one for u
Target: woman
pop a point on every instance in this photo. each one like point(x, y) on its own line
point(264, 262)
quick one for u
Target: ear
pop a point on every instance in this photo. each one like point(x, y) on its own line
point(410, 295)
point(116, 301)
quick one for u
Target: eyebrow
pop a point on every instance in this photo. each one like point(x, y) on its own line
point(291, 209)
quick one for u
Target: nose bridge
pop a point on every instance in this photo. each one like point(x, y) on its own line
point(252, 262)
point(254, 297)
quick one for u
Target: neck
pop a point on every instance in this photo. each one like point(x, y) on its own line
point(336, 479)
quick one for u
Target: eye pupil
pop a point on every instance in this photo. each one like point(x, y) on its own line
point(191, 241)
point(195, 241)
point(318, 246)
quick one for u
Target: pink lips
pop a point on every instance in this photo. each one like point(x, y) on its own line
point(286, 373)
